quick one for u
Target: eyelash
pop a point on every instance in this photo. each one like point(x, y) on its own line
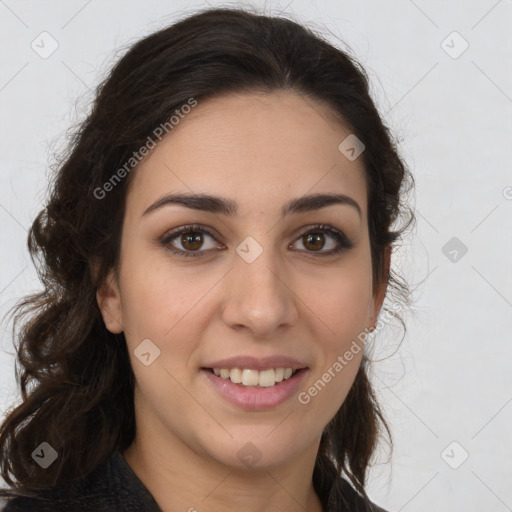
point(343, 242)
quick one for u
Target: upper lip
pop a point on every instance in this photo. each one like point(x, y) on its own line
point(257, 363)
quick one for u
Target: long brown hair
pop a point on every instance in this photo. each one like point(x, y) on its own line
point(75, 376)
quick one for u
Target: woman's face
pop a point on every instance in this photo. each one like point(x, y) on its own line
point(264, 280)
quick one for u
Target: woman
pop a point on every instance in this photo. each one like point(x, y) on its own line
point(215, 250)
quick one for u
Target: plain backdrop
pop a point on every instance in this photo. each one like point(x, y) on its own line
point(440, 74)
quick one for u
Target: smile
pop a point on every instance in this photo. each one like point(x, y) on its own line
point(253, 395)
point(250, 377)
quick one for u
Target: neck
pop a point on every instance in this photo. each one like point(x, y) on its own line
point(181, 479)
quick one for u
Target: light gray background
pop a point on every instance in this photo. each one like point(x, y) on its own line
point(451, 379)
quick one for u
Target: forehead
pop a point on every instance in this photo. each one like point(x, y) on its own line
point(259, 149)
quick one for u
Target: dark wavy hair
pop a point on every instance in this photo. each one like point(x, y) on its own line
point(74, 375)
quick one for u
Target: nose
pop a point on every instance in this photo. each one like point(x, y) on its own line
point(258, 297)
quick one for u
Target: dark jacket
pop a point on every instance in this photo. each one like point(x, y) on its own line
point(113, 487)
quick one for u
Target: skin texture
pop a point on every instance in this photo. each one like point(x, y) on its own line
point(260, 150)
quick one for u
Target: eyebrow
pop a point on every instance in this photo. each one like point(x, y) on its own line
point(215, 204)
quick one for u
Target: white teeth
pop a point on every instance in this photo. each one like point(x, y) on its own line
point(235, 375)
point(250, 377)
point(267, 378)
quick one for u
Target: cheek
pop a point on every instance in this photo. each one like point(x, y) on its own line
point(341, 300)
point(340, 349)
point(157, 298)
point(171, 306)
point(158, 304)
point(341, 311)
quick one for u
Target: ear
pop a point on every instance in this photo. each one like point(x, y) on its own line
point(109, 302)
point(380, 289)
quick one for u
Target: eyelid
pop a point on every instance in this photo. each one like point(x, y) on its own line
point(170, 235)
point(343, 242)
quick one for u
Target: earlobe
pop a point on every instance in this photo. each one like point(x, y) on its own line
point(109, 302)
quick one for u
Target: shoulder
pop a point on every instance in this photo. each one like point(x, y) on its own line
point(112, 487)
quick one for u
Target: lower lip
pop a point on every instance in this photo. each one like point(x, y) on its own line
point(256, 398)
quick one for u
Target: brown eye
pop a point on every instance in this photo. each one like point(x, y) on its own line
point(192, 242)
point(324, 240)
point(314, 241)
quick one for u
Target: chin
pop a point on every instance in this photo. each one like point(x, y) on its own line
point(254, 449)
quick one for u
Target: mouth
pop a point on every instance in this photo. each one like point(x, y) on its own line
point(249, 377)
point(251, 389)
